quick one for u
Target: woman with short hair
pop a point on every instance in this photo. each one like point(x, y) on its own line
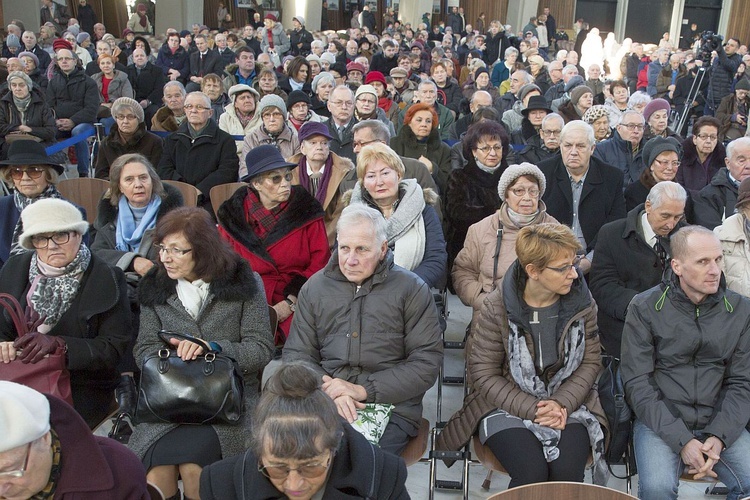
point(112, 83)
point(297, 76)
point(267, 83)
point(24, 112)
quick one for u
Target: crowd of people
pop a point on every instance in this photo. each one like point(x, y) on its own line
point(567, 205)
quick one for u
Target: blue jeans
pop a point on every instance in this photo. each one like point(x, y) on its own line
point(659, 468)
point(82, 148)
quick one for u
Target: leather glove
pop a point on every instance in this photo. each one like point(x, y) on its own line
point(35, 346)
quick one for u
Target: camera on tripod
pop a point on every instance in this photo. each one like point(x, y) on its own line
point(710, 42)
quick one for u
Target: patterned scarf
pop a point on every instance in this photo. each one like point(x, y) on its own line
point(22, 202)
point(259, 217)
point(51, 296)
point(322, 185)
point(273, 139)
point(49, 491)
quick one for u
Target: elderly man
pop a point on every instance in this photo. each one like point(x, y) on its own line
point(582, 192)
point(546, 143)
point(148, 83)
point(686, 371)
point(733, 112)
point(427, 93)
point(222, 48)
point(518, 79)
point(169, 117)
point(75, 98)
point(631, 256)
point(558, 90)
point(28, 39)
point(479, 99)
point(46, 447)
point(199, 153)
point(341, 314)
point(716, 201)
point(624, 149)
point(341, 106)
point(242, 71)
point(239, 117)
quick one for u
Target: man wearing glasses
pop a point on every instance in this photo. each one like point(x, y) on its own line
point(199, 153)
point(341, 107)
point(547, 143)
point(624, 149)
point(38, 431)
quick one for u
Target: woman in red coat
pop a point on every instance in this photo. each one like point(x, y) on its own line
point(278, 228)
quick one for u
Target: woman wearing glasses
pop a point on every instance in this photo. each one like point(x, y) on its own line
point(302, 449)
point(24, 112)
point(278, 228)
point(76, 302)
point(703, 155)
point(202, 288)
point(533, 364)
point(661, 156)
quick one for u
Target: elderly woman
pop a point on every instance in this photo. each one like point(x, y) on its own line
point(299, 430)
point(278, 228)
point(298, 103)
point(501, 71)
point(366, 107)
point(490, 245)
point(200, 287)
point(617, 104)
point(734, 242)
point(314, 62)
point(212, 86)
point(533, 364)
point(703, 155)
point(139, 22)
point(55, 280)
point(385, 100)
point(472, 193)
point(449, 93)
point(266, 83)
point(273, 38)
point(638, 101)
point(656, 114)
point(598, 117)
point(298, 76)
point(240, 116)
point(662, 159)
point(127, 135)
point(24, 113)
point(322, 85)
point(419, 138)
point(32, 69)
point(481, 81)
point(273, 130)
point(112, 83)
point(581, 99)
point(414, 231)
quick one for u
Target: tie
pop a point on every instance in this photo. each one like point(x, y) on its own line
point(661, 252)
point(314, 182)
point(200, 67)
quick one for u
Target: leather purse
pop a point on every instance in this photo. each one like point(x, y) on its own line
point(48, 376)
point(207, 390)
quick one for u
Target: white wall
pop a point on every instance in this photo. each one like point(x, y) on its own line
point(519, 12)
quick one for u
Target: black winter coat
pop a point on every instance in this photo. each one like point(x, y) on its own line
point(179, 61)
point(692, 175)
point(38, 116)
point(212, 63)
point(143, 142)
point(618, 152)
point(381, 63)
point(149, 84)
point(722, 74)
point(74, 96)
point(716, 201)
point(450, 96)
point(302, 37)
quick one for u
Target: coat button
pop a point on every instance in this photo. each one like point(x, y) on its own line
point(355, 335)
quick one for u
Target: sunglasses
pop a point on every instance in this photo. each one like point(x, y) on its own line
point(277, 178)
point(16, 173)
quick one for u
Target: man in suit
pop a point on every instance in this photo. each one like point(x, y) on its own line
point(582, 192)
point(202, 62)
point(147, 81)
point(341, 106)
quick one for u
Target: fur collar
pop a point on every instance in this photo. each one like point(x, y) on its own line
point(690, 153)
point(302, 210)
point(108, 213)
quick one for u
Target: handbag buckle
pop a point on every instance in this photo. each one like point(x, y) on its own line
point(209, 366)
point(163, 353)
point(209, 357)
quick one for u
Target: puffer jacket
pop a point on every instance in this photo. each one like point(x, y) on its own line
point(492, 385)
point(686, 367)
point(281, 43)
point(736, 250)
point(692, 175)
point(74, 96)
point(384, 336)
point(39, 116)
point(287, 143)
point(716, 202)
point(619, 153)
point(119, 86)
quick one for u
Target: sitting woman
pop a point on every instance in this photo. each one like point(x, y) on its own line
point(278, 228)
point(298, 77)
point(490, 244)
point(662, 159)
point(201, 288)
point(481, 81)
point(266, 83)
point(581, 99)
point(736, 245)
point(298, 429)
point(112, 84)
point(533, 364)
point(322, 86)
point(419, 138)
point(656, 113)
point(598, 117)
point(24, 113)
point(127, 135)
point(414, 231)
point(79, 304)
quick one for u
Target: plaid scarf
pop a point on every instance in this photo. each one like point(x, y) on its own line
point(259, 217)
point(49, 491)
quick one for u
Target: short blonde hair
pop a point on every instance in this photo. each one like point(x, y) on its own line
point(377, 151)
point(540, 244)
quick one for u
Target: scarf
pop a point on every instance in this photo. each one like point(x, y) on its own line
point(192, 295)
point(269, 35)
point(22, 202)
point(371, 116)
point(259, 217)
point(524, 374)
point(321, 192)
point(485, 168)
point(244, 119)
point(128, 235)
point(385, 103)
point(273, 139)
point(142, 20)
point(22, 105)
point(520, 220)
point(53, 289)
point(54, 476)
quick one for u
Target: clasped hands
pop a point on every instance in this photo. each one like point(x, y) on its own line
point(701, 457)
point(33, 346)
point(551, 414)
point(348, 397)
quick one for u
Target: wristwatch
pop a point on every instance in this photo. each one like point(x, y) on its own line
point(292, 305)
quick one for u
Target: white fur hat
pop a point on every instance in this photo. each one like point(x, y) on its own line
point(50, 215)
point(513, 172)
point(24, 415)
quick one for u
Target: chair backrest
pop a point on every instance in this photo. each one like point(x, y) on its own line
point(417, 445)
point(221, 193)
point(84, 191)
point(561, 491)
point(189, 192)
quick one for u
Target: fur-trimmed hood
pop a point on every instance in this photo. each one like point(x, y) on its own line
point(107, 213)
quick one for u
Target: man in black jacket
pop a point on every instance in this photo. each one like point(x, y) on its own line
point(723, 68)
point(300, 39)
point(631, 256)
point(147, 81)
point(202, 62)
point(716, 201)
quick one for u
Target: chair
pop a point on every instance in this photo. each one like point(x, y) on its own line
point(189, 192)
point(86, 192)
point(561, 491)
point(417, 445)
point(221, 193)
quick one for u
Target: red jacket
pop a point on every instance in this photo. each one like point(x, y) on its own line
point(295, 249)
point(643, 73)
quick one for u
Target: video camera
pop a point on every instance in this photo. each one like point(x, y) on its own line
point(710, 42)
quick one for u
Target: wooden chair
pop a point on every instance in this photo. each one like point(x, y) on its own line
point(189, 192)
point(417, 445)
point(221, 193)
point(561, 491)
point(84, 191)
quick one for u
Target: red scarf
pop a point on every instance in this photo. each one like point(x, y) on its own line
point(269, 34)
point(259, 217)
point(385, 104)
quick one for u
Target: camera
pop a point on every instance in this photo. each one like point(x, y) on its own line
point(710, 42)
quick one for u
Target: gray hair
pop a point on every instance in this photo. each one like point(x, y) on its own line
point(666, 190)
point(343, 87)
point(570, 68)
point(744, 141)
point(427, 82)
point(203, 96)
point(322, 77)
point(578, 126)
point(509, 51)
point(637, 98)
point(175, 83)
point(629, 112)
point(317, 44)
point(356, 213)
point(553, 117)
point(678, 242)
point(379, 129)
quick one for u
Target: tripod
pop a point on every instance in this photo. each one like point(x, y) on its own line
point(691, 97)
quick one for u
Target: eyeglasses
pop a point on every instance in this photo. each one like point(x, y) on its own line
point(361, 144)
point(41, 242)
point(277, 178)
point(280, 472)
point(706, 137)
point(667, 163)
point(196, 108)
point(566, 269)
point(521, 192)
point(121, 118)
point(494, 149)
point(551, 133)
point(367, 101)
point(273, 114)
point(16, 173)
point(19, 472)
point(633, 126)
point(173, 251)
point(343, 104)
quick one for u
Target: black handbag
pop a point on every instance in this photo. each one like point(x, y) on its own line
point(619, 415)
point(207, 390)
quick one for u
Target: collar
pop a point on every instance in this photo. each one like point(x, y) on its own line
point(573, 181)
point(648, 234)
point(310, 172)
point(732, 179)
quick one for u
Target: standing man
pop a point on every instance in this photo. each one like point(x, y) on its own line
point(551, 25)
point(86, 16)
point(54, 13)
point(723, 68)
point(686, 371)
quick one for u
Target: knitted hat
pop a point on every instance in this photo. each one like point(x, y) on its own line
point(479, 71)
point(366, 89)
point(74, 29)
point(61, 44)
point(743, 195)
point(313, 57)
point(271, 17)
point(653, 107)
point(578, 92)
point(398, 73)
point(33, 57)
point(297, 96)
point(376, 76)
point(240, 88)
point(13, 41)
point(327, 56)
point(525, 89)
point(536, 102)
point(50, 215)
point(21, 75)
point(513, 172)
point(269, 101)
point(318, 78)
point(127, 31)
point(538, 60)
point(24, 415)
point(259, 160)
point(355, 66)
point(594, 113)
point(573, 83)
point(309, 129)
point(82, 37)
point(300, 19)
point(132, 104)
point(657, 145)
point(742, 84)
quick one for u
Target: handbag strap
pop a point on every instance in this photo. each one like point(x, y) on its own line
point(165, 335)
point(496, 256)
point(14, 309)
